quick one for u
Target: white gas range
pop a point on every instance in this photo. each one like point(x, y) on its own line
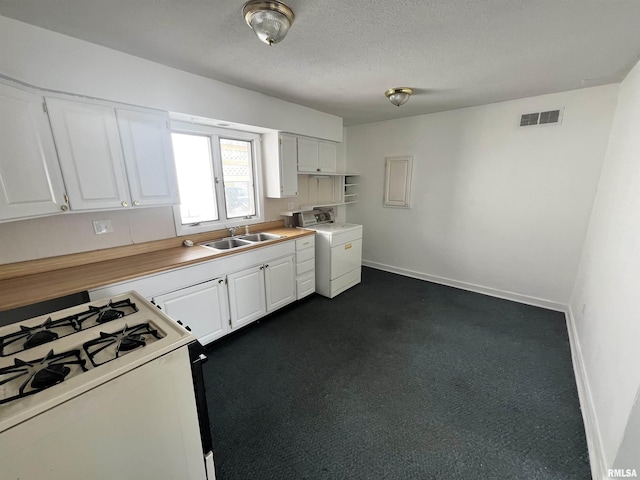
point(116, 382)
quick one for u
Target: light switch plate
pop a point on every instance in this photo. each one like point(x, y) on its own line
point(102, 226)
point(291, 205)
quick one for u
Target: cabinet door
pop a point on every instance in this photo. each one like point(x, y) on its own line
point(327, 157)
point(88, 143)
point(246, 296)
point(307, 155)
point(30, 179)
point(288, 166)
point(148, 157)
point(203, 308)
point(280, 284)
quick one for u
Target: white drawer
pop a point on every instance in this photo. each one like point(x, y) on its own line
point(305, 242)
point(306, 266)
point(303, 255)
point(305, 285)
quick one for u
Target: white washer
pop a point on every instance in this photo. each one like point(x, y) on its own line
point(338, 257)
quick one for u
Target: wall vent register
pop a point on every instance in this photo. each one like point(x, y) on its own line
point(541, 118)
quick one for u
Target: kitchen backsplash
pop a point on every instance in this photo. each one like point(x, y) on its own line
point(73, 232)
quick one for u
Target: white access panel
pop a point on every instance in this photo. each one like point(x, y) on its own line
point(146, 418)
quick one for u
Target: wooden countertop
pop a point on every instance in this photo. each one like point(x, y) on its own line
point(34, 282)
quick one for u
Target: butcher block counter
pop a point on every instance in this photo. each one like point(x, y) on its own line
point(35, 281)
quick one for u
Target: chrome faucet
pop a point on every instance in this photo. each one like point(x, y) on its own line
point(232, 231)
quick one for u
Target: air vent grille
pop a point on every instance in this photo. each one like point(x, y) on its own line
point(549, 117)
point(529, 119)
point(552, 116)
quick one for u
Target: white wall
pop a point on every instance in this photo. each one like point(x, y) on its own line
point(54, 61)
point(608, 281)
point(495, 207)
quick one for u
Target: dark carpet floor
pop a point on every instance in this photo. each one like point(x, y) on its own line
point(397, 379)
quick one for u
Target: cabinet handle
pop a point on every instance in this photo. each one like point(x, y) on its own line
point(64, 208)
point(318, 170)
point(261, 267)
point(136, 202)
point(125, 204)
point(266, 266)
point(221, 281)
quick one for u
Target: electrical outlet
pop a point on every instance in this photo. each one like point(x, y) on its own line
point(291, 205)
point(102, 226)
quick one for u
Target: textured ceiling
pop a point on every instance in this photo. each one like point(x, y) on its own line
point(340, 56)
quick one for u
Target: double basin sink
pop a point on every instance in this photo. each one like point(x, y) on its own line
point(239, 241)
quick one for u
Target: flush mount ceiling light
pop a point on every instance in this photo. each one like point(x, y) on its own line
point(399, 95)
point(269, 20)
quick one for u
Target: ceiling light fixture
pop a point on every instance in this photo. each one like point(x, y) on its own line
point(399, 95)
point(269, 20)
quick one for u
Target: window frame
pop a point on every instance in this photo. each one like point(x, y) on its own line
point(214, 135)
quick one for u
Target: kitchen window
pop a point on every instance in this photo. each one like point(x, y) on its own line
point(218, 178)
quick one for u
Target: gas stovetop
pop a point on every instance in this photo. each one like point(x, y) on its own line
point(48, 359)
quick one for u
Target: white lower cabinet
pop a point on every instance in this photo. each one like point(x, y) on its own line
point(246, 296)
point(203, 309)
point(216, 297)
point(280, 288)
point(260, 289)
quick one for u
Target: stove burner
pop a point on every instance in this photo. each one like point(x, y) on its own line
point(38, 338)
point(49, 376)
point(109, 315)
point(26, 378)
point(131, 342)
point(29, 337)
point(110, 346)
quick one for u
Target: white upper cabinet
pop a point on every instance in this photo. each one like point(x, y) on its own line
point(327, 156)
point(307, 155)
point(113, 157)
point(148, 156)
point(280, 153)
point(316, 156)
point(30, 179)
point(90, 154)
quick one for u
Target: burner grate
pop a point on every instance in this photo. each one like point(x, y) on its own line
point(106, 313)
point(110, 346)
point(25, 378)
point(29, 337)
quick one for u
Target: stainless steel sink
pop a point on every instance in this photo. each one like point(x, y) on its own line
point(227, 243)
point(260, 237)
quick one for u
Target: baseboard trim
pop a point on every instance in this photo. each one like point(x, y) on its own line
point(591, 429)
point(493, 292)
